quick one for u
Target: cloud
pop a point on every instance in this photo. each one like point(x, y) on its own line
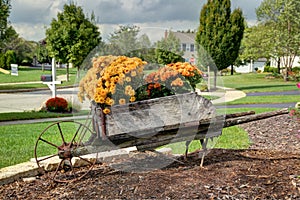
point(29, 17)
point(138, 11)
point(33, 12)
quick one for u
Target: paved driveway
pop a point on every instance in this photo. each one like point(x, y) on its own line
point(28, 101)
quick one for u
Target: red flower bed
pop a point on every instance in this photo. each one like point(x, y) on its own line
point(57, 104)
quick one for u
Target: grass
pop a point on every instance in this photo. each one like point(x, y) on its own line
point(265, 99)
point(27, 74)
point(18, 142)
point(254, 82)
point(235, 110)
point(36, 115)
point(231, 138)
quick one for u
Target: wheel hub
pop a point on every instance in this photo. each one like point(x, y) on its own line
point(64, 151)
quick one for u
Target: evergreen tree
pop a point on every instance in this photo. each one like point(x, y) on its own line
point(219, 35)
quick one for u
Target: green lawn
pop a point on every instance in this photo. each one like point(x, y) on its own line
point(253, 82)
point(36, 115)
point(27, 74)
point(18, 142)
point(266, 99)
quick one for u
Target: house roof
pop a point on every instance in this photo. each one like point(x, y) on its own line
point(185, 37)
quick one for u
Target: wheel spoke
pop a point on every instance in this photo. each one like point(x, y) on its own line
point(75, 135)
point(86, 160)
point(72, 169)
point(56, 171)
point(48, 142)
point(46, 158)
point(61, 134)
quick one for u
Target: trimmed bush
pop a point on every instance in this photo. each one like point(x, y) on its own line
point(57, 104)
point(3, 61)
point(10, 58)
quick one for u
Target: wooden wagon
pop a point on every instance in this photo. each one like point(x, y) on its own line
point(145, 124)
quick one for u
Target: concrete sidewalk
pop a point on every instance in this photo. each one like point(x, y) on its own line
point(224, 94)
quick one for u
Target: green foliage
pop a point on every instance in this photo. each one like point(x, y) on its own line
point(3, 60)
point(42, 53)
point(168, 50)
point(166, 57)
point(254, 44)
point(125, 41)
point(10, 58)
point(4, 14)
point(72, 35)
point(219, 34)
point(281, 18)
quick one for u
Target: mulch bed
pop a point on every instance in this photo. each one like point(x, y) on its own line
point(270, 169)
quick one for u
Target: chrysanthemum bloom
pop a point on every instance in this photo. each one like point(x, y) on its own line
point(106, 111)
point(122, 101)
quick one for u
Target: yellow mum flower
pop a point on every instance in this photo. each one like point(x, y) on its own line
point(131, 92)
point(122, 101)
point(132, 99)
point(127, 79)
point(109, 101)
point(106, 111)
point(128, 88)
point(133, 73)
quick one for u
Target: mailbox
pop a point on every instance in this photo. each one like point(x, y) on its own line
point(46, 78)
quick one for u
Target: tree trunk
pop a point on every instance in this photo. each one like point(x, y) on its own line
point(215, 79)
point(231, 70)
point(278, 65)
point(68, 78)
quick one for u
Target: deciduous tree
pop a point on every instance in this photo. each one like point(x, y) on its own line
point(281, 17)
point(72, 35)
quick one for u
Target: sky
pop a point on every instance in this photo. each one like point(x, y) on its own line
point(31, 18)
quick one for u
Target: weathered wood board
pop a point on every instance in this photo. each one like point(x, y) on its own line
point(160, 121)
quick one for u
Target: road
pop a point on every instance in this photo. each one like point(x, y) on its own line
point(28, 101)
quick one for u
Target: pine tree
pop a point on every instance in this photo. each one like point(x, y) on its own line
point(219, 35)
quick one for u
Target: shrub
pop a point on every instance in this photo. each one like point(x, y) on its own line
point(10, 58)
point(3, 61)
point(296, 69)
point(57, 104)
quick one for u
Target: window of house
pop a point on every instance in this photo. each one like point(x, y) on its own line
point(192, 47)
point(183, 47)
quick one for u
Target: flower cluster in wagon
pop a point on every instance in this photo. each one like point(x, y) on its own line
point(119, 80)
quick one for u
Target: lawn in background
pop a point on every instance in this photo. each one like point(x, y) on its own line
point(28, 74)
point(256, 82)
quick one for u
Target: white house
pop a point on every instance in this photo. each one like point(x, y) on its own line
point(187, 45)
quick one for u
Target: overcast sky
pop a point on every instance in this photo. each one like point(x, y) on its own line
point(30, 18)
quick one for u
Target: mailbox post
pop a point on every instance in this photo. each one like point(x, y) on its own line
point(50, 81)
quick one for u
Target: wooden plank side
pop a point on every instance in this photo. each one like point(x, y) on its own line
point(146, 116)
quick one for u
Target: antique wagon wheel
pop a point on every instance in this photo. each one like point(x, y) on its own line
point(58, 142)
